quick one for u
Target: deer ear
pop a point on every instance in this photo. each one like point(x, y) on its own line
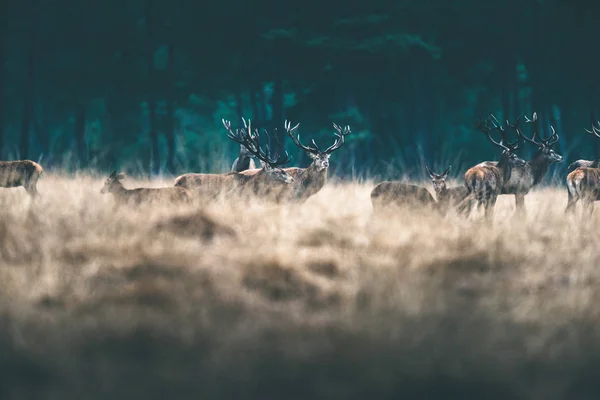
point(121, 176)
point(312, 155)
point(446, 172)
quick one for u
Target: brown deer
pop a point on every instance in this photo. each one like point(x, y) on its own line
point(311, 179)
point(20, 173)
point(269, 182)
point(484, 181)
point(524, 178)
point(244, 160)
point(142, 195)
point(587, 163)
point(448, 198)
point(583, 183)
point(391, 195)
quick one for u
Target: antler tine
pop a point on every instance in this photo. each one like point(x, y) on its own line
point(296, 140)
point(484, 126)
point(516, 144)
point(341, 137)
point(595, 131)
point(553, 138)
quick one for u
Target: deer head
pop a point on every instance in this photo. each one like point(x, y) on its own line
point(544, 145)
point(112, 183)
point(438, 180)
point(320, 158)
point(250, 140)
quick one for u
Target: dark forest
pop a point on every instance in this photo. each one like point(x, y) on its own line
point(143, 84)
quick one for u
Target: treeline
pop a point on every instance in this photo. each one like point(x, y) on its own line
point(143, 84)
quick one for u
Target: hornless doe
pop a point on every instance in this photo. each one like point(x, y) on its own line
point(583, 183)
point(524, 178)
point(20, 173)
point(142, 195)
point(311, 179)
point(448, 198)
point(485, 180)
point(244, 160)
point(587, 163)
point(393, 194)
point(268, 182)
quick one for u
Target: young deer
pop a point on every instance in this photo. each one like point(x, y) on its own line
point(20, 173)
point(269, 182)
point(244, 160)
point(448, 198)
point(583, 183)
point(393, 194)
point(587, 163)
point(142, 195)
point(484, 181)
point(311, 179)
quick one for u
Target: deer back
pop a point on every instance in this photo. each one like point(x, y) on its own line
point(19, 173)
point(390, 193)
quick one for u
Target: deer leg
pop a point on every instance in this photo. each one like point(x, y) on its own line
point(571, 202)
point(490, 204)
point(588, 206)
point(520, 204)
point(31, 189)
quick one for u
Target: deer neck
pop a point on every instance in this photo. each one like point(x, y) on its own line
point(539, 167)
point(119, 190)
point(312, 175)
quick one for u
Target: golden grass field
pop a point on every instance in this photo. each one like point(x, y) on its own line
point(242, 299)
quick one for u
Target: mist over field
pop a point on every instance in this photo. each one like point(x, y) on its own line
point(246, 299)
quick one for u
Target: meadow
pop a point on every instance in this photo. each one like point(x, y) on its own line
point(245, 299)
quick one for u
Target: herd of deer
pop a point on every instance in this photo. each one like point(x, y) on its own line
point(483, 183)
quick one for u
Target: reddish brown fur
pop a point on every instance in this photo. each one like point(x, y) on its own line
point(260, 182)
point(143, 195)
point(583, 184)
point(484, 184)
point(398, 194)
point(20, 173)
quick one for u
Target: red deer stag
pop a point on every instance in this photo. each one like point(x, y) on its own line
point(20, 173)
point(311, 179)
point(587, 163)
point(448, 198)
point(583, 183)
point(390, 195)
point(524, 178)
point(485, 180)
point(142, 195)
point(268, 182)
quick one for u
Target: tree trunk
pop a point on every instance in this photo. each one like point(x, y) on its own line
point(278, 137)
point(155, 163)
point(3, 59)
point(30, 84)
point(170, 134)
point(80, 117)
point(151, 86)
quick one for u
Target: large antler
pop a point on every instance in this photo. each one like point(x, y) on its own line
point(595, 131)
point(339, 141)
point(287, 125)
point(314, 149)
point(484, 126)
point(496, 125)
point(251, 140)
point(536, 133)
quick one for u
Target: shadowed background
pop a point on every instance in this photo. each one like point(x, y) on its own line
point(143, 85)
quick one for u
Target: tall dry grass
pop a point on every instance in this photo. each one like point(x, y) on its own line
point(242, 299)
